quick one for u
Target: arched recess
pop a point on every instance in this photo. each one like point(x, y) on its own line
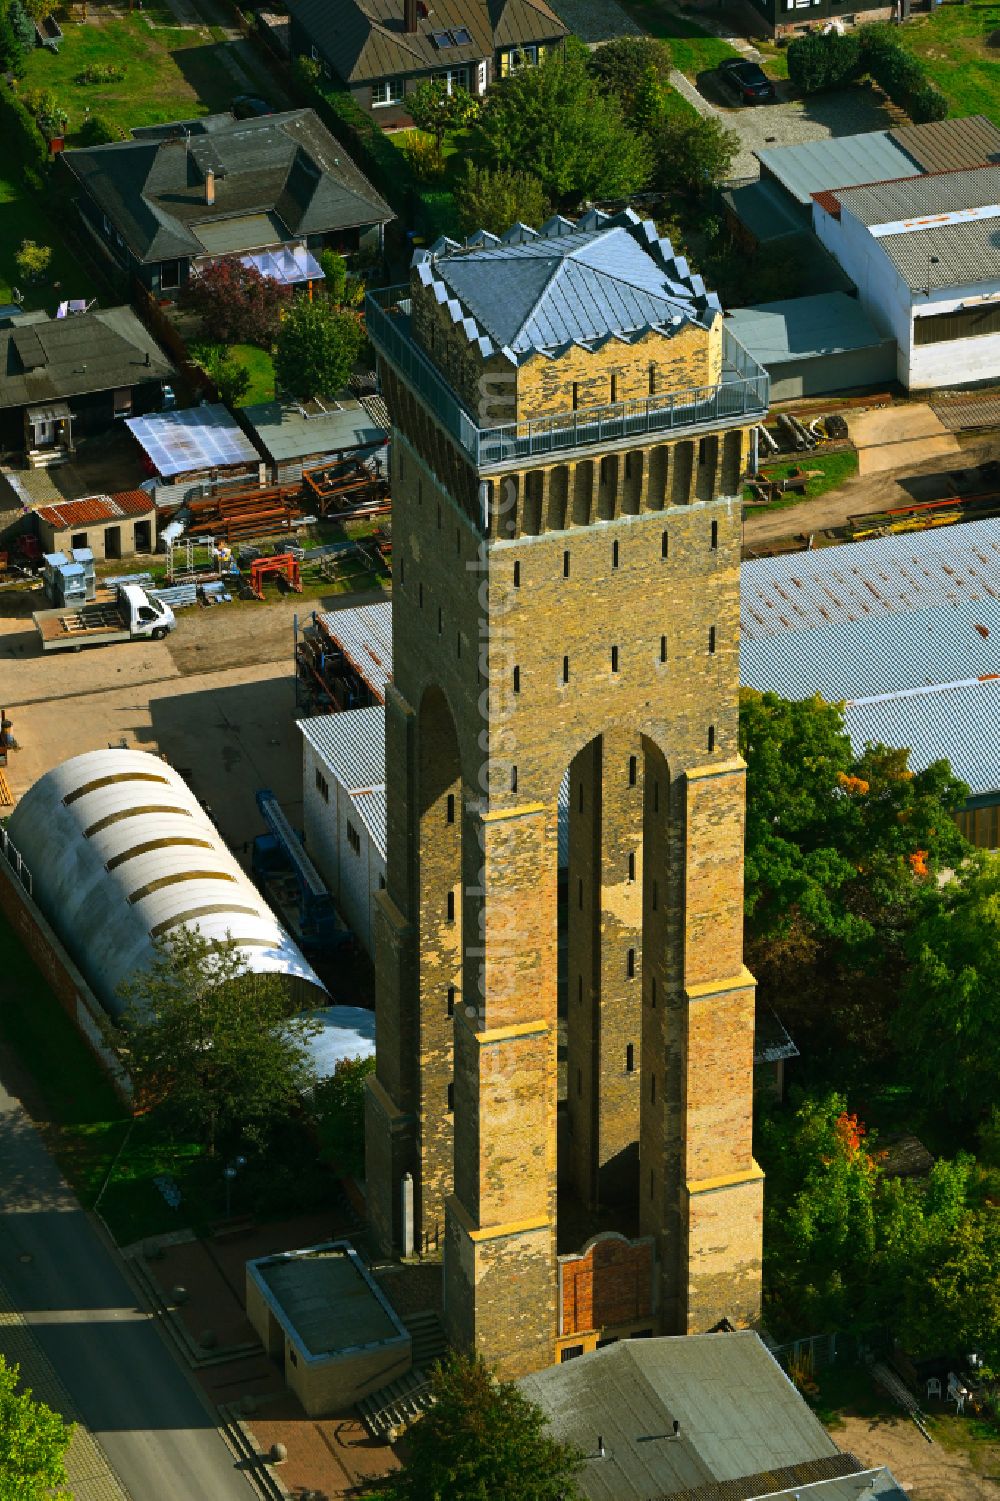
point(439, 918)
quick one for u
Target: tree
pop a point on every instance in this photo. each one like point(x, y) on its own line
point(338, 1105)
point(214, 1049)
point(843, 853)
point(33, 1444)
point(433, 107)
point(623, 66)
point(495, 200)
point(554, 123)
point(317, 347)
point(13, 49)
point(482, 1438)
point(23, 25)
point(32, 260)
point(691, 152)
point(949, 1026)
point(236, 304)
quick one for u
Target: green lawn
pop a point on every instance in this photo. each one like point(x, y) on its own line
point(827, 471)
point(261, 368)
point(952, 45)
point(693, 51)
point(172, 72)
point(23, 218)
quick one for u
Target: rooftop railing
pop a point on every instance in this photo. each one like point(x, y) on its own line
point(740, 394)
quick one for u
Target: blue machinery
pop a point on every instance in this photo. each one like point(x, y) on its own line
point(282, 849)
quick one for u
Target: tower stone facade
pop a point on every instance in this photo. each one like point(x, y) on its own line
point(570, 426)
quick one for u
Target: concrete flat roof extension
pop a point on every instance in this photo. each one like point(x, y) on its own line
point(325, 1300)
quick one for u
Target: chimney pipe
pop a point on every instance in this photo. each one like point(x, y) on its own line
point(409, 15)
point(209, 186)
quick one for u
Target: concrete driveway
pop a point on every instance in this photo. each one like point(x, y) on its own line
point(122, 1380)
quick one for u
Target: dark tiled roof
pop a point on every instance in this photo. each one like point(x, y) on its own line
point(152, 188)
point(365, 39)
point(950, 145)
point(62, 357)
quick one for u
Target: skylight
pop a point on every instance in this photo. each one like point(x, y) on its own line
point(460, 37)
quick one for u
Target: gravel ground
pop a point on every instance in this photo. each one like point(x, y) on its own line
point(788, 122)
point(595, 21)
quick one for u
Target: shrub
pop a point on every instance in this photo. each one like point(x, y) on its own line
point(620, 65)
point(101, 73)
point(818, 62)
point(32, 260)
point(307, 72)
point(827, 62)
point(424, 155)
point(334, 269)
point(437, 214)
point(436, 109)
point(927, 103)
point(495, 200)
point(97, 130)
point(43, 104)
point(22, 138)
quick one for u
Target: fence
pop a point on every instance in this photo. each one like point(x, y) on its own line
point(12, 855)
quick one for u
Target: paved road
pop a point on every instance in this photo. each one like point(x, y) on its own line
point(127, 1385)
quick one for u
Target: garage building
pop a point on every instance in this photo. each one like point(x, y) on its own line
point(122, 854)
point(811, 346)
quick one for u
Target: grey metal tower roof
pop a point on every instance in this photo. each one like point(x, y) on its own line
point(541, 291)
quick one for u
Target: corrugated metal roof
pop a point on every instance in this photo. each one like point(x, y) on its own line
point(880, 654)
point(738, 1413)
point(936, 193)
point(286, 432)
point(917, 569)
point(956, 721)
point(351, 745)
point(803, 328)
point(364, 634)
point(964, 254)
point(95, 508)
point(195, 438)
point(838, 162)
point(369, 804)
point(949, 145)
point(121, 852)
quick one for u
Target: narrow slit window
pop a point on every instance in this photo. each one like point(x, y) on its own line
point(451, 808)
point(566, 564)
point(652, 993)
point(631, 865)
point(440, 620)
point(517, 575)
point(614, 554)
point(715, 535)
point(630, 964)
point(633, 770)
point(652, 380)
point(420, 595)
point(579, 1081)
point(614, 389)
point(579, 990)
point(579, 893)
point(665, 545)
point(439, 515)
point(652, 1089)
point(565, 669)
point(579, 798)
point(655, 897)
point(402, 570)
point(656, 797)
point(576, 396)
point(451, 1000)
point(451, 906)
point(711, 640)
point(711, 737)
point(630, 1058)
point(663, 648)
point(517, 679)
point(614, 659)
point(513, 779)
point(451, 1096)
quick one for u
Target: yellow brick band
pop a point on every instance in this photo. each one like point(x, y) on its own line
point(736, 767)
point(519, 812)
point(506, 1034)
point(752, 1174)
point(743, 981)
point(494, 1232)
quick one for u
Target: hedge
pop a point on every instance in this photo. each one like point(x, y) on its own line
point(22, 138)
point(817, 61)
point(374, 153)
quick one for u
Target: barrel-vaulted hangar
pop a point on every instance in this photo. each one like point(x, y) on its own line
point(121, 853)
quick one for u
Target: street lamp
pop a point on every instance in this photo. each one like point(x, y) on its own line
point(229, 1172)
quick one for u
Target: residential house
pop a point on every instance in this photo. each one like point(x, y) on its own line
point(272, 191)
point(62, 378)
point(924, 254)
point(382, 49)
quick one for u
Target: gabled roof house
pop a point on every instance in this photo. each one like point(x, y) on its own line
point(382, 49)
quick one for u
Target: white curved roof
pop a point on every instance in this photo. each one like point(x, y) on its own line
point(121, 852)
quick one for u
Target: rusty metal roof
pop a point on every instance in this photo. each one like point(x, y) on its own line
point(950, 145)
point(94, 508)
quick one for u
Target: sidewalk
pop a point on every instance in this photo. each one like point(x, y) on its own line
point(91, 1477)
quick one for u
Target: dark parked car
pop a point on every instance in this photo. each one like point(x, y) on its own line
point(247, 106)
point(746, 80)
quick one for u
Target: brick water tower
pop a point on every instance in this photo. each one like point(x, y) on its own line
point(570, 426)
